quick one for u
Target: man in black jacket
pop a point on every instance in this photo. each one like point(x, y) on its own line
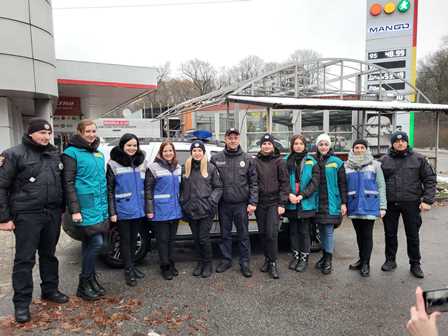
point(31, 203)
point(273, 193)
point(410, 188)
point(239, 199)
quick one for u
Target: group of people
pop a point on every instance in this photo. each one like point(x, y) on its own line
point(37, 184)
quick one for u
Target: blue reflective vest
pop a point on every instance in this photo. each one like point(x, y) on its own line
point(129, 190)
point(166, 192)
point(363, 194)
point(306, 172)
point(90, 185)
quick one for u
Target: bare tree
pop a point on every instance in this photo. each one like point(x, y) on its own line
point(163, 72)
point(201, 73)
point(250, 67)
point(302, 56)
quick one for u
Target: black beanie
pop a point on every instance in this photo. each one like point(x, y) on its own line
point(197, 144)
point(360, 142)
point(125, 138)
point(267, 138)
point(38, 124)
point(399, 135)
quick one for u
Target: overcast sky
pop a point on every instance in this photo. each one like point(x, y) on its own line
point(225, 32)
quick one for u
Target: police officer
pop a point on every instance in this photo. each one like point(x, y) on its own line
point(239, 199)
point(410, 188)
point(31, 203)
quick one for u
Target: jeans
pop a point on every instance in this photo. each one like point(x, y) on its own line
point(364, 228)
point(326, 232)
point(165, 237)
point(299, 234)
point(229, 214)
point(35, 232)
point(91, 245)
point(128, 239)
point(412, 221)
point(268, 222)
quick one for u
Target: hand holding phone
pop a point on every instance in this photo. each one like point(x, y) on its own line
point(436, 300)
point(422, 324)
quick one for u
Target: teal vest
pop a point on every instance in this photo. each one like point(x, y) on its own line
point(332, 167)
point(90, 185)
point(306, 172)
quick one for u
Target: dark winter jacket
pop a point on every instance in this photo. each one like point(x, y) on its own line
point(200, 195)
point(331, 193)
point(238, 175)
point(85, 181)
point(273, 180)
point(125, 184)
point(30, 179)
point(409, 177)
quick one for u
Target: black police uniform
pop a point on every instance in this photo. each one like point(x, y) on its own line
point(31, 196)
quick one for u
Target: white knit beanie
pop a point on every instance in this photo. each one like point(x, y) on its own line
point(323, 137)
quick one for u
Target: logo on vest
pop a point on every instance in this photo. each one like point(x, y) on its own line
point(242, 164)
point(32, 179)
point(60, 166)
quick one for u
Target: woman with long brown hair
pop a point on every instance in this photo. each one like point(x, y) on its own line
point(162, 187)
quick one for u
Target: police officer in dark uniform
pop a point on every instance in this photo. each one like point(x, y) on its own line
point(410, 189)
point(239, 199)
point(31, 203)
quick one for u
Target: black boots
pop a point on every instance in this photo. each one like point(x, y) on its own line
point(198, 269)
point(129, 276)
point(389, 265)
point(265, 266)
point(85, 290)
point(55, 296)
point(207, 269)
point(302, 264)
point(138, 274)
point(166, 272)
point(356, 266)
point(22, 314)
point(365, 270)
point(417, 271)
point(273, 270)
point(294, 261)
point(173, 269)
point(325, 264)
point(96, 286)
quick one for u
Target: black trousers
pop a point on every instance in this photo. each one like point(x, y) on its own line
point(200, 228)
point(268, 222)
point(230, 214)
point(299, 234)
point(128, 239)
point(35, 232)
point(364, 238)
point(412, 221)
point(165, 237)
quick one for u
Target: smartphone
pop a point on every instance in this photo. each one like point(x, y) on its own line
point(436, 300)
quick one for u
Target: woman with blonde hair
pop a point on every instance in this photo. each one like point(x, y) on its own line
point(162, 189)
point(86, 191)
point(201, 192)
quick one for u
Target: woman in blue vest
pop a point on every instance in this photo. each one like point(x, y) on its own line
point(125, 183)
point(366, 199)
point(162, 189)
point(332, 199)
point(304, 181)
point(86, 192)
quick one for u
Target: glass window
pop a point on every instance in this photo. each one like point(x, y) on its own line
point(257, 121)
point(253, 142)
point(283, 139)
point(226, 121)
point(205, 121)
point(340, 121)
point(282, 121)
point(312, 121)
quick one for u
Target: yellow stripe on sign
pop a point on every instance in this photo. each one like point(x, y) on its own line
point(331, 165)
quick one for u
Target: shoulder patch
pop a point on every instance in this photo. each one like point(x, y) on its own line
point(309, 162)
point(99, 154)
point(331, 165)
